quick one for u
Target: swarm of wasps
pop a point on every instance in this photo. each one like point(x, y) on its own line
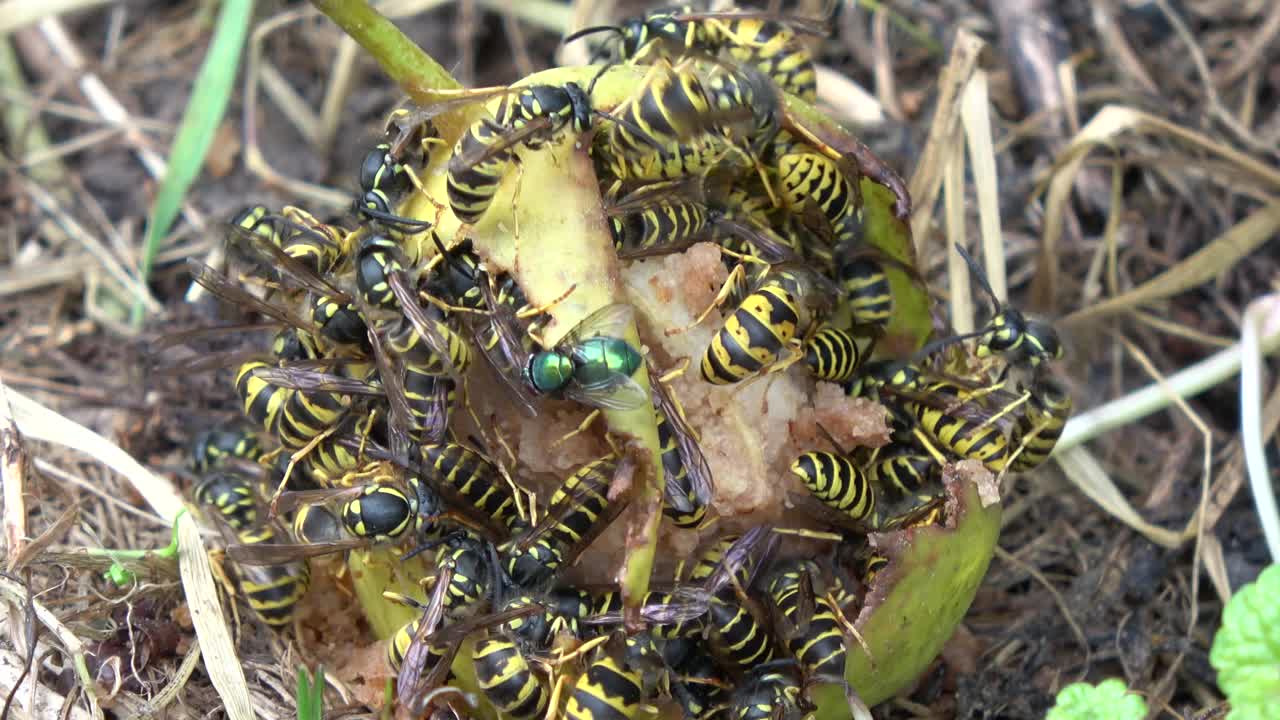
point(373, 342)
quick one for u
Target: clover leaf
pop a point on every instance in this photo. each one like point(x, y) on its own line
point(1246, 650)
point(1108, 700)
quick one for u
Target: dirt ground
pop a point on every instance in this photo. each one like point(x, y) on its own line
point(1074, 593)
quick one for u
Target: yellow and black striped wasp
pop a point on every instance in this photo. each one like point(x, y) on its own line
point(271, 590)
point(835, 354)
point(578, 511)
point(314, 246)
point(422, 651)
point(689, 488)
point(667, 217)
point(529, 116)
point(945, 415)
point(668, 129)
point(1038, 428)
point(383, 179)
point(779, 307)
point(210, 448)
point(504, 670)
point(735, 627)
point(376, 504)
point(232, 494)
point(624, 672)
point(841, 485)
point(1011, 334)
point(297, 414)
point(767, 42)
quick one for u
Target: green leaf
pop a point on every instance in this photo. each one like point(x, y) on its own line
point(1246, 650)
point(1110, 700)
point(917, 599)
point(911, 323)
point(204, 112)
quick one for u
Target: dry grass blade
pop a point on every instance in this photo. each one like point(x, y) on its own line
point(957, 272)
point(221, 660)
point(254, 160)
point(46, 702)
point(13, 471)
point(1261, 318)
point(1110, 123)
point(975, 116)
point(927, 178)
point(16, 593)
point(848, 99)
point(1214, 258)
point(15, 14)
point(1087, 474)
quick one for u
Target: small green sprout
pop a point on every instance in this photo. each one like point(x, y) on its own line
point(310, 697)
point(1109, 700)
point(119, 574)
point(1246, 650)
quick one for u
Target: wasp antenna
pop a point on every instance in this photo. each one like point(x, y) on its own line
point(577, 34)
point(980, 275)
point(591, 86)
point(942, 344)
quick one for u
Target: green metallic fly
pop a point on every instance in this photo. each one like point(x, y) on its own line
point(591, 364)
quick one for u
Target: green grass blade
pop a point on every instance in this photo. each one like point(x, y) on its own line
point(204, 112)
point(310, 696)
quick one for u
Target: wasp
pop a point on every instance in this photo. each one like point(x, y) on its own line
point(807, 624)
point(615, 683)
point(838, 482)
point(211, 447)
point(867, 292)
point(532, 116)
point(737, 636)
point(809, 178)
point(904, 474)
point(777, 313)
point(383, 179)
point(668, 129)
point(961, 429)
point(423, 650)
point(382, 505)
point(835, 354)
point(579, 510)
point(766, 42)
point(1010, 333)
point(771, 692)
point(502, 660)
point(233, 496)
point(689, 487)
point(470, 480)
point(1037, 430)
point(698, 685)
point(669, 217)
point(294, 233)
point(272, 590)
